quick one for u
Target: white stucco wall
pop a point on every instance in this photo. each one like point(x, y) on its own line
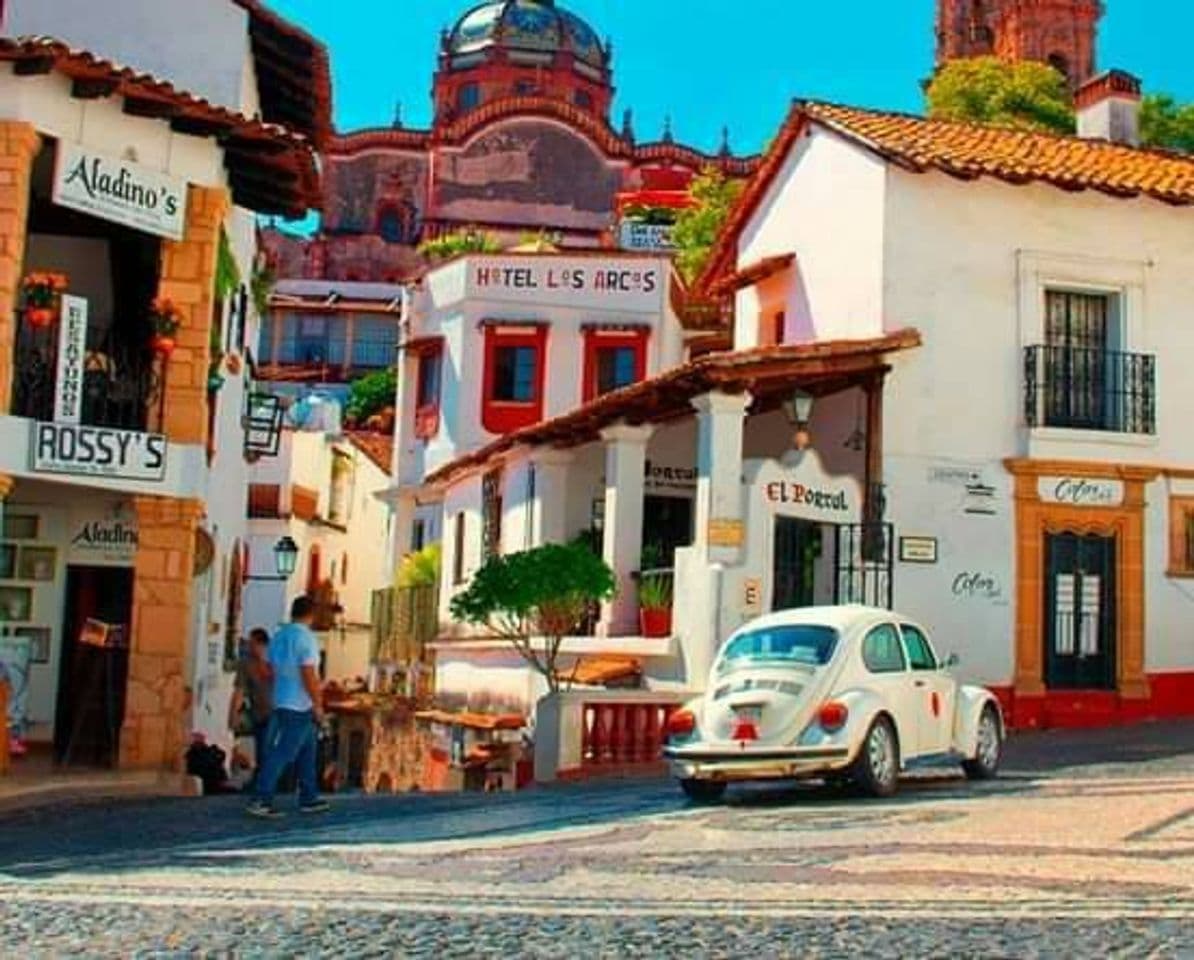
point(201, 46)
point(826, 206)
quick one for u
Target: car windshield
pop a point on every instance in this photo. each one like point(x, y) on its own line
point(803, 643)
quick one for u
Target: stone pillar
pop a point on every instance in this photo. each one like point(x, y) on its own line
point(402, 528)
point(188, 280)
point(625, 467)
point(550, 512)
point(719, 534)
point(154, 733)
point(19, 144)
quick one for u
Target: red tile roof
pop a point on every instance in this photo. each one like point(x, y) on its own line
point(752, 275)
point(272, 168)
point(669, 395)
point(378, 447)
point(967, 151)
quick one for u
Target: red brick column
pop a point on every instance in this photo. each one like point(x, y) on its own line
point(188, 279)
point(155, 722)
point(19, 144)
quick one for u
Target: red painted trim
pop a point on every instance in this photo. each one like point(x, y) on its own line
point(597, 339)
point(1171, 695)
point(502, 417)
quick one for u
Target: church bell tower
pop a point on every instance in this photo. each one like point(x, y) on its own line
point(1061, 33)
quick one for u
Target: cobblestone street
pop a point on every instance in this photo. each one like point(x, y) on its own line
point(1084, 848)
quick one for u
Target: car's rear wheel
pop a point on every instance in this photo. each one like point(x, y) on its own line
point(984, 765)
point(703, 791)
point(876, 769)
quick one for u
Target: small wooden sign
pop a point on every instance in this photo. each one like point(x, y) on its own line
point(727, 533)
point(752, 596)
point(918, 549)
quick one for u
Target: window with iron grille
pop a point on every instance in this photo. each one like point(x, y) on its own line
point(491, 496)
point(1080, 377)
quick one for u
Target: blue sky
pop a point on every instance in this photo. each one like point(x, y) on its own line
point(714, 62)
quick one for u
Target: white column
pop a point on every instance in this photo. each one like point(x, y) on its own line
point(402, 528)
point(720, 421)
point(625, 466)
point(549, 511)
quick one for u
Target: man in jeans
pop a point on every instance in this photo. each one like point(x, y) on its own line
point(297, 716)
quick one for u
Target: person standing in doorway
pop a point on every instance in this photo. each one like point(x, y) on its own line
point(297, 716)
point(253, 698)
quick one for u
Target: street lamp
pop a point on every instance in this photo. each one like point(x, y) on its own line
point(799, 408)
point(286, 553)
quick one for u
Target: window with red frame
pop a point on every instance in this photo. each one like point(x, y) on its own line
point(515, 371)
point(430, 380)
point(613, 359)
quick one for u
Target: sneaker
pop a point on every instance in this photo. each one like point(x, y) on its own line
point(315, 806)
point(262, 811)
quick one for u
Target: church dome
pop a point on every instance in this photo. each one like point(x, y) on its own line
point(528, 27)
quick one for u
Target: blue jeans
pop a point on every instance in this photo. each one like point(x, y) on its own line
point(292, 738)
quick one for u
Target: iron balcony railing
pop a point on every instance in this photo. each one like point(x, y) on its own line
point(122, 380)
point(1084, 389)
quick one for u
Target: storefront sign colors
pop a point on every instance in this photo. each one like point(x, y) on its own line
point(1081, 492)
point(120, 191)
point(72, 353)
point(98, 451)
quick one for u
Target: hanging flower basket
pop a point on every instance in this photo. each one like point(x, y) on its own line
point(42, 296)
point(166, 320)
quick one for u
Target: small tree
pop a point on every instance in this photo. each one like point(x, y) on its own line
point(542, 593)
point(1166, 123)
point(371, 395)
point(697, 227)
point(1022, 94)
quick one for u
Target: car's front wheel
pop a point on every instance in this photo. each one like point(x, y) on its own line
point(984, 765)
point(703, 791)
point(876, 769)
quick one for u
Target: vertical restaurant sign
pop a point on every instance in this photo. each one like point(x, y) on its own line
point(120, 191)
point(72, 352)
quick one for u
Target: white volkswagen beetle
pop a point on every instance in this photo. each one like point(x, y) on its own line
point(835, 693)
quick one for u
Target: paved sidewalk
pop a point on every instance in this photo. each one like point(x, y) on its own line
point(1086, 849)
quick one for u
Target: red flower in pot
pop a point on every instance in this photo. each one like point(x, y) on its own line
point(166, 321)
point(42, 293)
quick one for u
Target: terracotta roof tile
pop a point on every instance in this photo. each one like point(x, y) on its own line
point(378, 447)
point(668, 396)
point(967, 151)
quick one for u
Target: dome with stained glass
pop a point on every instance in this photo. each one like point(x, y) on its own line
point(525, 26)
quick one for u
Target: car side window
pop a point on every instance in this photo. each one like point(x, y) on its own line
point(920, 653)
point(882, 651)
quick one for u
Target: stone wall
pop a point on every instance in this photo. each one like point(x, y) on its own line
point(19, 144)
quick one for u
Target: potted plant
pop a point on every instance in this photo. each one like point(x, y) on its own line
point(43, 297)
point(166, 321)
point(655, 605)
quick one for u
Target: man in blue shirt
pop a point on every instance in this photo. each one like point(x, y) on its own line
point(297, 716)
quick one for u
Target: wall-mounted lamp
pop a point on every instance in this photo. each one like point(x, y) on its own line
point(286, 553)
point(799, 408)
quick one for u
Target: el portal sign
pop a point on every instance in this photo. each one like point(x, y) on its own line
point(68, 448)
point(120, 191)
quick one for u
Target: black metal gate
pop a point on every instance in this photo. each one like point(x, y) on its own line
point(865, 565)
point(1080, 612)
point(797, 546)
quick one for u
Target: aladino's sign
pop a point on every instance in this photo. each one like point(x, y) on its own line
point(98, 452)
point(120, 191)
point(1080, 492)
point(72, 354)
point(102, 536)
